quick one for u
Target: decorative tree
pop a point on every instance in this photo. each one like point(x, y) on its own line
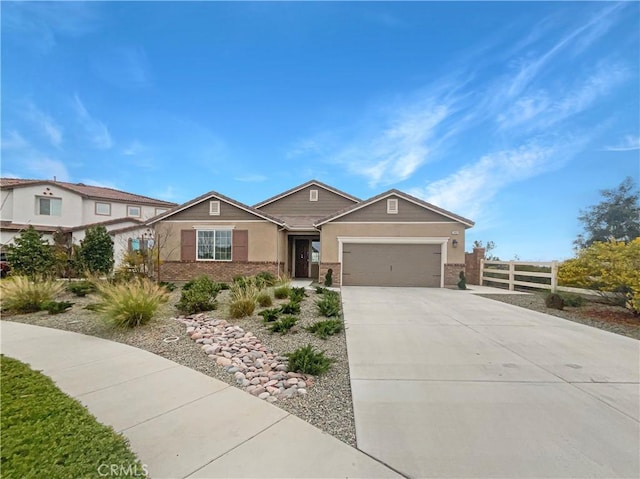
point(96, 251)
point(462, 284)
point(488, 248)
point(31, 255)
point(328, 278)
point(616, 217)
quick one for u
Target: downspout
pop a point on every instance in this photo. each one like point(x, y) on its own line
point(278, 231)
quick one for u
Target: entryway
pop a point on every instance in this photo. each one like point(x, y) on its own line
point(304, 256)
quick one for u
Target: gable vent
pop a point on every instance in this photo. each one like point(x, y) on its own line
point(392, 206)
point(214, 208)
point(313, 195)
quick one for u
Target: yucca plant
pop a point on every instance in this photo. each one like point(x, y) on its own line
point(329, 305)
point(23, 295)
point(270, 315)
point(132, 304)
point(283, 325)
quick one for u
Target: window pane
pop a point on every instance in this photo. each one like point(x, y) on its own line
point(56, 206)
point(103, 208)
point(205, 244)
point(133, 211)
point(223, 245)
point(44, 206)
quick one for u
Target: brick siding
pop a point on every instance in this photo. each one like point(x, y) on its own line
point(452, 273)
point(217, 270)
point(324, 267)
point(472, 261)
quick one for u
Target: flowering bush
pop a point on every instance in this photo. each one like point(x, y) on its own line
point(611, 266)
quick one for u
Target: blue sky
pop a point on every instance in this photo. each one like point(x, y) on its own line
point(514, 115)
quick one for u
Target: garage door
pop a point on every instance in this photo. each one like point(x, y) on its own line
point(391, 264)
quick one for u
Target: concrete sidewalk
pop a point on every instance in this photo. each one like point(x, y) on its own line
point(182, 423)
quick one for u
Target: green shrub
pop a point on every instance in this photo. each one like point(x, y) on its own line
point(96, 250)
point(56, 307)
point(324, 329)
point(266, 279)
point(308, 360)
point(462, 284)
point(270, 315)
point(554, 301)
point(321, 290)
point(329, 304)
point(81, 288)
point(223, 286)
point(31, 255)
point(198, 295)
point(283, 325)
point(264, 300)
point(290, 308)
point(241, 308)
point(131, 304)
point(328, 278)
point(23, 295)
point(297, 294)
point(573, 300)
point(282, 292)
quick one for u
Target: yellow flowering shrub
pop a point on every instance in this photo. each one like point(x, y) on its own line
point(611, 266)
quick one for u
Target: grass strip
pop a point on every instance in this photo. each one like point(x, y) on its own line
point(46, 433)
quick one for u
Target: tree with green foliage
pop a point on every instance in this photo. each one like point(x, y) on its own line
point(96, 251)
point(616, 217)
point(31, 255)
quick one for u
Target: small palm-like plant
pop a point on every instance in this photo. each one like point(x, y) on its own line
point(283, 325)
point(308, 360)
point(131, 304)
point(24, 295)
point(326, 328)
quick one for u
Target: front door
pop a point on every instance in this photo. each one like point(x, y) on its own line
point(302, 258)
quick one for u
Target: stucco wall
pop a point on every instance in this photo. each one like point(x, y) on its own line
point(262, 237)
point(118, 210)
point(24, 206)
point(330, 233)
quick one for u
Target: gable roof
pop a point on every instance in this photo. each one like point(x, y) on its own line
point(304, 185)
point(468, 223)
point(215, 194)
point(87, 191)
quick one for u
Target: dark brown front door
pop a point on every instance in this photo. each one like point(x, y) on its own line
point(302, 259)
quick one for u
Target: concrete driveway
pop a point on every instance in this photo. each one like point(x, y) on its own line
point(449, 384)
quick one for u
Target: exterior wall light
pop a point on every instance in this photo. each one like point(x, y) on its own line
point(454, 243)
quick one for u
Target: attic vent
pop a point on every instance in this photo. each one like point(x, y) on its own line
point(313, 195)
point(392, 206)
point(214, 208)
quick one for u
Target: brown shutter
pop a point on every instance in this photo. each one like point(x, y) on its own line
point(188, 245)
point(240, 245)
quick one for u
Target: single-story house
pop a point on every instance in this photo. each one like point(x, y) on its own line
point(392, 239)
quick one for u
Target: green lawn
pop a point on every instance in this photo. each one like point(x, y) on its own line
point(45, 433)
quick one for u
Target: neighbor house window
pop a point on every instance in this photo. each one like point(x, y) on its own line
point(159, 211)
point(49, 206)
point(392, 206)
point(214, 208)
point(133, 211)
point(103, 209)
point(313, 195)
point(213, 245)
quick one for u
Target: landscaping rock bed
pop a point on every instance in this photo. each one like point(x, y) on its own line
point(327, 404)
point(614, 319)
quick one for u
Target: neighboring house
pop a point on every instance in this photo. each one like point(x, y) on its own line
point(50, 205)
point(392, 239)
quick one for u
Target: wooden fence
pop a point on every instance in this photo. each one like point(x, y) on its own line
point(537, 275)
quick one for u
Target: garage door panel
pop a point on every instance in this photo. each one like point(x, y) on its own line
point(391, 264)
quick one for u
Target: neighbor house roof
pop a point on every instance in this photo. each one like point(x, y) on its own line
point(405, 196)
point(11, 226)
point(304, 185)
point(215, 194)
point(115, 221)
point(88, 191)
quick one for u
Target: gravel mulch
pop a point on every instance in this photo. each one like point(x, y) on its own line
point(615, 319)
point(328, 404)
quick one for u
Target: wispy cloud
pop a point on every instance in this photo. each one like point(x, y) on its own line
point(470, 189)
point(97, 131)
point(252, 178)
point(13, 140)
point(41, 24)
point(134, 148)
point(628, 143)
point(123, 66)
point(46, 167)
point(101, 183)
point(45, 123)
